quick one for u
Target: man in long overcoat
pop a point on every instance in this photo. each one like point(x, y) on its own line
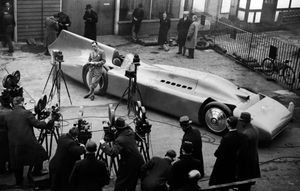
point(91, 18)
point(225, 168)
point(249, 160)
point(67, 153)
point(164, 27)
point(156, 172)
point(137, 17)
point(8, 25)
point(179, 175)
point(131, 159)
point(24, 148)
point(182, 29)
point(191, 39)
point(194, 136)
point(89, 174)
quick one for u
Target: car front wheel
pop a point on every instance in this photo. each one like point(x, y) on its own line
point(215, 115)
point(103, 82)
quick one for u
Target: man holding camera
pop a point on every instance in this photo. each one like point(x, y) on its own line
point(67, 153)
point(96, 62)
point(24, 148)
point(131, 159)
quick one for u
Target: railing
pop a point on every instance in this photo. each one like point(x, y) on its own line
point(251, 49)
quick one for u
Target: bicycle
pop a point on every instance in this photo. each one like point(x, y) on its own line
point(280, 67)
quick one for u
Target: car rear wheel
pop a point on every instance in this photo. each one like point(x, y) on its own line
point(103, 82)
point(214, 116)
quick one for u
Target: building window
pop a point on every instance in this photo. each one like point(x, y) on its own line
point(256, 4)
point(225, 6)
point(276, 16)
point(257, 17)
point(250, 17)
point(170, 6)
point(243, 4)
point(241, 15)
point(295, 4)
point(188, 5)
point(283, 4)
point(127, 7)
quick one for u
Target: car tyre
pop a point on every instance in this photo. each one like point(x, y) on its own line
point(214, 117)
point(103, 83)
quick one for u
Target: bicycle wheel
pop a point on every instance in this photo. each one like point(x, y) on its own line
point(288, 75)
point(268, 66)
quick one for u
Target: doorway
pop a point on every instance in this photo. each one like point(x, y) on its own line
point(268, 11)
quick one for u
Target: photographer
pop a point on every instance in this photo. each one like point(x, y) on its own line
point(67, 153)
point(24, 148)
point(131, 159)
point(63, 22)
point(96, 62)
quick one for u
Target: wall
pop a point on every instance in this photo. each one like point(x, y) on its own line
point(31, 15)
point(149, 27)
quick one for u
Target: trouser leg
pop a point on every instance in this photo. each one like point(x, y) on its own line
point(183, 51)
point(18, 172)
point(9, 42)
point(179, 49)
point(192, 53)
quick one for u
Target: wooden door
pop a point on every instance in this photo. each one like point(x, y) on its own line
point(106, 10)
point(268, 11)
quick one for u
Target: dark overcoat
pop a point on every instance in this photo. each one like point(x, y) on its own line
point(90, 28)
point(225, 168)
point(4, 156)
point(131, 159)
point(249, 161)
point(163, 30)
point(67, 153)
point(24, 148)
point(182, 29)
point(51, 30)
point(194, 136)
point(180, 169)
point(89, 174)
point(191, 39)
point(155, 174)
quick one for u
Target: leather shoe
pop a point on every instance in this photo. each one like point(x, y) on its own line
point(86, 96)
point(178, 53)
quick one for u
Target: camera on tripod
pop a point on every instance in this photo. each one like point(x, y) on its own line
point(131, 72)
point(42, 112)
point(84, 130)
point(57, 55)
point(108, 126)
point(142, 125)
point(12, 89)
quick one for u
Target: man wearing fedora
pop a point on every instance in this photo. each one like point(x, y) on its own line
point(226, 165)
point(156, 172)
point(131, 159)
point(249, 161)
point(89, 174)
point(194, 136)
point(91, 18)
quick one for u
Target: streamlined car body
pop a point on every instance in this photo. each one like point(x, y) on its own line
point(206, 98)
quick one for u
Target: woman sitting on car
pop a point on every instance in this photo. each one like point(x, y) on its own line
point(96, 62)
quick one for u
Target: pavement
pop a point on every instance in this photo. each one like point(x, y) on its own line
point(279, 160)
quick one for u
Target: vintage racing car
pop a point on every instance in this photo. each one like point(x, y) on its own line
point(206, 98)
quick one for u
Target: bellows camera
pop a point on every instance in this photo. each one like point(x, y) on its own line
point(57, 55)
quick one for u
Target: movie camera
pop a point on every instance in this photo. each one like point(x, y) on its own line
point(11, 88)
point(57, 55)
point(42, 112)
point(132, 70)
point(84, 130)
point(108, 126)
point(142, 125)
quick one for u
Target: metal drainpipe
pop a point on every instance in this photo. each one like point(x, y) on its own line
point(42, 19)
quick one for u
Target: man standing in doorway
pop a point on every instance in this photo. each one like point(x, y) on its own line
point(191, 39)
point(137, 17)
point(91, 18)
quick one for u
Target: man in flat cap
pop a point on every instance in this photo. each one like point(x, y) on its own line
point(249, 160)
point(156, 172)
point(194, 136)
point(131, 159)
point(91, 18)
point(179, 174)
point(89, 174)
point(232, 143)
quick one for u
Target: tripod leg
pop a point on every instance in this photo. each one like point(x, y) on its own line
point(48, 78)
point(122, 97)
point(54, 85)
point(63, 77)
